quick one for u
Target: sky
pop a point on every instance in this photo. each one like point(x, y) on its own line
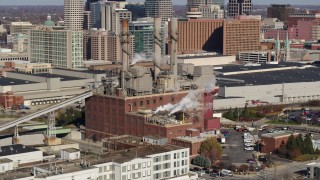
point(178, 2)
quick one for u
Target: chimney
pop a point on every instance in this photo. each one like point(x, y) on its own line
point(125, 52)
point(173, 35)
point(157, 46)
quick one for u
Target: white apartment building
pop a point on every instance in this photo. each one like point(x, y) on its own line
point(61, 48)
point(73, 14)
point(146, 163)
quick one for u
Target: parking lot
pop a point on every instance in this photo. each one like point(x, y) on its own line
point(233, 150)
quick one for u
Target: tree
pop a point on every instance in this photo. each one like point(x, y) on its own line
point(245, 111)
point(211, 149)
point(282, 150)
point(299, 141)
point(229, 114)
point(307, 145)
point(236, 113)
point(201, 161)
point(291, 143)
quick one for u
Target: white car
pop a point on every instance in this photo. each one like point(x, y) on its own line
point(249, 144)
point(249, 148)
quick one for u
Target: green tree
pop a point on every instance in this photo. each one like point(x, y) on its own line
point(299, 141)
point(245, 112)
point(236, 113)
point(229, 114)
point(201, 161)
point(307, 145)
point(291, 143)
point(211, 149)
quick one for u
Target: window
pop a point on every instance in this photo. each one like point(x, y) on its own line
point(175, 156)
point(172, 99)
point(134, 103)
point(148, 102)
point(175, 164)
point(182, 154)
point(182, 163)
point(141, 103)
point(160, 98)
point(129, 168)
point(154, 101)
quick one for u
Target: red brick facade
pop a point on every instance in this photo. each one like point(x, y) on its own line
point(193, 146)
point(8, 100)
point(270, 144)
point(108, 116)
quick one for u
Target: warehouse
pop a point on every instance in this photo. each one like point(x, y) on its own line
point(270, 83)
point(44, 88)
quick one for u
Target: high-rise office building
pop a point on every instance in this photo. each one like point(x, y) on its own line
point(61, 48)
point(239, 7)
point(143, 31)
point(159, 8)
point(20, 27)
point(95, 17)
point(198, 3)
point(137, 10)
point(211, 12)
point(241, 35)
point(86, 20)
point(280, 11)
point(88, 4)
point(99, 44)
point(73, 15)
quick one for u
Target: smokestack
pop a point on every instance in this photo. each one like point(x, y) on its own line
point(173, 34)
point(125, 52)
point(157, 46)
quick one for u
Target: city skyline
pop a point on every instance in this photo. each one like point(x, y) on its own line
point(176, 2)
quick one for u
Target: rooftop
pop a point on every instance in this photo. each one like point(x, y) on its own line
point(128, 155)
point(309, 74)
point(85, 71)
point(48, 75)
point(5, 160)
point(278, 134)
point(71, 150)
point(16, 149)
point(4, 81)
point(202, 137)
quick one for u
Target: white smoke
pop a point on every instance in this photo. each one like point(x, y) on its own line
point(210, 85)
point(191, 100)
point(139, 57)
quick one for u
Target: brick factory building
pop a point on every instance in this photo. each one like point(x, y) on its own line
point(108, 116)
point(225, 36)
point(272, 141)
point(8, 100)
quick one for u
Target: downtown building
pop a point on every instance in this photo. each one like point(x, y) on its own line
point(73, 15)
point(159, 8)
point(239, 7)
point(61, 48)
point(142, 29)
point(227, 37)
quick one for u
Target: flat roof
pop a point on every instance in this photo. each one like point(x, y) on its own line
point(253, 66)
point(128, 155)
point(84, 71)
point(201, 56)
point(278, 134)
point(48, 75)
point(5, 81)
point(71, 150)
point(309, 74)
point(5, 160)
point(16, 149)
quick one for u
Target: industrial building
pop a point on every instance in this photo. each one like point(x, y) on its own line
point(45, 88)
point(149, 100)
point(282, 83)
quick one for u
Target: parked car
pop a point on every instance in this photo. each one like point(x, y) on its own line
point(251, 161)
point(249, 148)
point(270, 130)
point(226, 172)
point(196, 169)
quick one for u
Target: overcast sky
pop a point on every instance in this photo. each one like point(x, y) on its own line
point(180, 2)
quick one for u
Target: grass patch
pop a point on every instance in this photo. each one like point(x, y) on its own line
point(306, 157)
point(281, 122)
